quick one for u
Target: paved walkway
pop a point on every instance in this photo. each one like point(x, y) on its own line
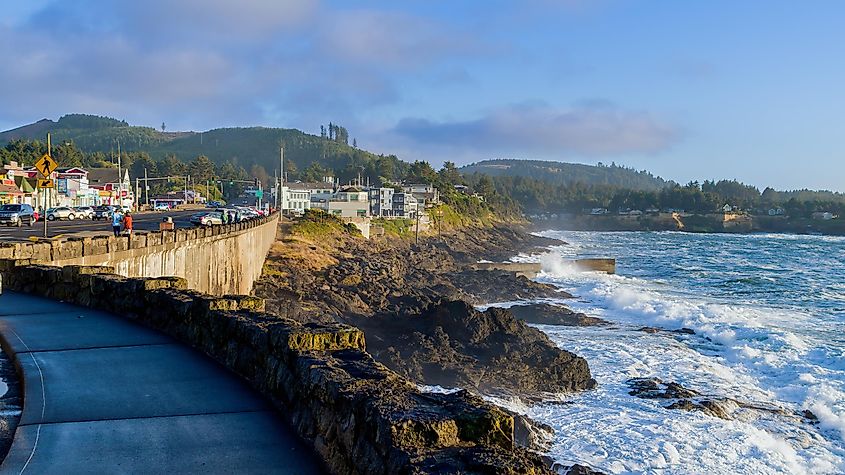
point(105, 395)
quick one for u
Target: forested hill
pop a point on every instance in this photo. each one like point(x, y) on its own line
point(244, 147)
point(560, 173)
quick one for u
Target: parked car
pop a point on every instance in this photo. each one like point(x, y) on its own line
point(125, 209)
point(213, 204)
point(62, 212)
point(162, 207)
point(102, 212)
point(83, 212)
point(16, 215)
point(207, 218)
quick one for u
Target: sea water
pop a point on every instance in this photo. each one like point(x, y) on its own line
point(768, 312)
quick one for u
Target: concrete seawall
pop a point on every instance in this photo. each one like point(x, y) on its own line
point(216, 260)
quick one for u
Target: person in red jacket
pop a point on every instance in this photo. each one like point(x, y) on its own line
point(127, 223)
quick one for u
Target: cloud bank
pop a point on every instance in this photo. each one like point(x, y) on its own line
point(591, 130)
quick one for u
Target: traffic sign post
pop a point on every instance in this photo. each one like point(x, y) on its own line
point(46, 166)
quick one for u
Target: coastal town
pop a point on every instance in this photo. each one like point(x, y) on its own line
point(78, 188)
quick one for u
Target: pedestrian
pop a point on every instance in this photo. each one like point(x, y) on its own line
point(231, 217)
point(116, 221)
point(127, 223)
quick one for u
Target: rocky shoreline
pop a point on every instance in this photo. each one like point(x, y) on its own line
point(415, 303)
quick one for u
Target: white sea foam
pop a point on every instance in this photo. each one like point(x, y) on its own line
point(782, 356)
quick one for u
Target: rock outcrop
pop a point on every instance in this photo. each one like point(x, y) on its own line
point(452, 344)
point(547, 314)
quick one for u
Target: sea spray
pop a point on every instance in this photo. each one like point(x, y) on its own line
point(767, 330)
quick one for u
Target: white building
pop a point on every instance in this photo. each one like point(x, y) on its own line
point(296, 198)
point(350, 202)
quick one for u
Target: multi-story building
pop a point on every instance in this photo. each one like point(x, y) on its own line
point(381, 201)
point(405, 205)
point(350, 202)
point(425, 194)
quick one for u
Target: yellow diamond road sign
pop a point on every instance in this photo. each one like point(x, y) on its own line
point(45, 183)
point(46, 165)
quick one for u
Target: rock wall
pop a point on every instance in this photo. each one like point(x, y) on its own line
point(218, 260)
point(358, 416)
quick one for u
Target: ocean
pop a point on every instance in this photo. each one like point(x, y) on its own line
point(768, 312)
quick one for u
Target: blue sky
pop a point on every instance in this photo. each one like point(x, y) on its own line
point(750, 90)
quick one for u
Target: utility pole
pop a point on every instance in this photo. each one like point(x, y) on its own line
point(417, 212)
point(49, 149)
point(119, 179)
point(146, 187)
point(281, 191)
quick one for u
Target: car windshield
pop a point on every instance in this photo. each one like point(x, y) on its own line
point(10, 208)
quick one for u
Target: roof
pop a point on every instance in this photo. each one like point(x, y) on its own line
point(25, 184)
point(6, 189)
point(71, 170)
point(103, 176)
point(308, 186)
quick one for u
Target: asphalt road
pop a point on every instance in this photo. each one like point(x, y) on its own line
point(141, 222)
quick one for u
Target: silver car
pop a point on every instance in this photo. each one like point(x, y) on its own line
point(207, 218)
point(62, 212)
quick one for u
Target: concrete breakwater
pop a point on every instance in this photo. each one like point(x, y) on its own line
point(358, 416)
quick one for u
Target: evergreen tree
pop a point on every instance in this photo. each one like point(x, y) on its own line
point(201, 169)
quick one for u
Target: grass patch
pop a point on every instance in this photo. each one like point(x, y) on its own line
point(396, 227)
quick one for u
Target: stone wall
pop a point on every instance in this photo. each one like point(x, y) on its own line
point(218, 260)
point(358, 416)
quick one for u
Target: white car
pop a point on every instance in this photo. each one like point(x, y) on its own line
point(83, 212)
point(62, 212)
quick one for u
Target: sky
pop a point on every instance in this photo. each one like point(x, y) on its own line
point(752, 90)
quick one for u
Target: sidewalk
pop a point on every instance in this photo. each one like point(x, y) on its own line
point(105, 395)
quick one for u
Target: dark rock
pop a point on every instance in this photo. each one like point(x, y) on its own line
point(451, 344)
point(810, 416)
point(711, 407)
point(684, 398)
point(546, 314)
point(531, 434)
point(680, 331)
point(489, 286)
point(579, 469)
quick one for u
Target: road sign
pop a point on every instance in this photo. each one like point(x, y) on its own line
point(259, 194)
point(46, 165)
point(45, 183)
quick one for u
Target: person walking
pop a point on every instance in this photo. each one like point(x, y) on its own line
point(127, 223)
point(116, 221)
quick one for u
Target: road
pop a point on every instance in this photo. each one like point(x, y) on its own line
point(148, 221)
